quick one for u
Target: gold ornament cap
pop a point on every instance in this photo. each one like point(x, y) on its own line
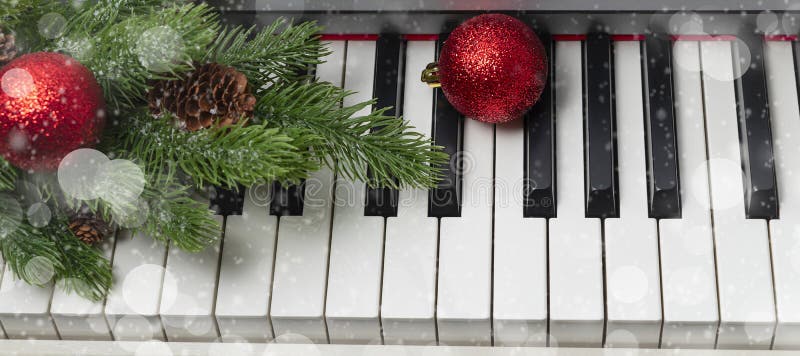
point(430, 75)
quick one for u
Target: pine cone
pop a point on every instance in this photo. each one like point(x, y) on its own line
point(89, 228)
point(8, 48)
point(212, 93)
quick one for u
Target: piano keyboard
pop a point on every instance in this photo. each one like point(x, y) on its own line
point(647, 201)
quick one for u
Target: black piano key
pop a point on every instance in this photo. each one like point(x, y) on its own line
point(287, 200)
point(445, 199)
point(755, 136)
point(226, 201)
point(389, 57)
point(539, 199)
point(601, 184)
point(662, 163)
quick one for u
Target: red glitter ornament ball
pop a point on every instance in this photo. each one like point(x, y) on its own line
point(493, 68)
point(50, 105)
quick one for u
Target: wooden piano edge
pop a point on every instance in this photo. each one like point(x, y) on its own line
point(114, 348)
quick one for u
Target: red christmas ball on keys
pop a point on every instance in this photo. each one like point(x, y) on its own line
point(50, 105)
point(492, 68)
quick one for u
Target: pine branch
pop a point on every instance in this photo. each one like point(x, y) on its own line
point(8, 175)
point(165, 210)
point(85, 270)
point(237, 155)
point(22, 247)
point(94, 16)
point(20, 242)
point(177, 218)
point(15, 12)
point(32, 254)
point(350, 143)
point(22, 18)
point(297, 127)
point(126, 47)
point(11, 11)
point(277, 53)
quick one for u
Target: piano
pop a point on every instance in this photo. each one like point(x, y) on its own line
point(648, 203)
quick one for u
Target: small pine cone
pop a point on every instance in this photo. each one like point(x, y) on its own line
point(212, 93)
point(89, 228)
point(8, 47)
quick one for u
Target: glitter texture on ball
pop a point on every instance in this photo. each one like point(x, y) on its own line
point(50, 105)
point(493, 68)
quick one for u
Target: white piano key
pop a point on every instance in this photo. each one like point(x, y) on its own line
point(25, 309)
point(688, 271)
point(465, 247)
point(245, 277)
point(631, 241)
point(354, 281)
point(301, 266)
point(301, 258)
point(60, 348)
point(187, 296)
point(353, 299)
point(520, 250)
point(747, 310)
point(785, 232)
point(575, 251)
point(78, 318)
point(409, 276)
point(132, 305)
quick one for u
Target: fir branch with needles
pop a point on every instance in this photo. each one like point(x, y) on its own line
point(174, 217)
point(35, 254)
point(127, 49)
point(84, 268)
point(281, 51)
point(8, 175)
point(17, 12)
point(22, 243)
point(297, 127)
point(11, 10)
point(22, 18)
point(240, 154)
point(166, 210)
point(350, 142)
point(96, 16)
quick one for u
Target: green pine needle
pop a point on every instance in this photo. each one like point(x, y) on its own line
point(22, 18)
point(34, 254)
point(128, 46)
point(96, 16)
point(21, 247)
point(175, 217)
point(350, 142)
point(237, 155)
point(280, 52)
point(20, 242)
point(165, 211)
point(85, 270)
point(14, 13)
point(8, 175)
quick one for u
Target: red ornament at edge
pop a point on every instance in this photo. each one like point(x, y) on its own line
point(50, 105)
point(493, 68)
